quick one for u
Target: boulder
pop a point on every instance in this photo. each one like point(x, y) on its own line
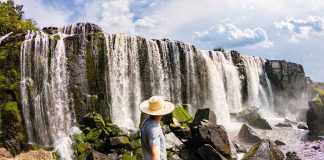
point(302, 125)
point(95, 155)
point(214, 135)
point(247, 134)
point(173, 143)
point(265, 150)
point(206, 152)
point(253, 117)
point(175, 157)
point(204, 114)
point(292, 156)
point(279, 143)
point(283, 125)
point(116, 141)
point(315, 116)
point(4, 153)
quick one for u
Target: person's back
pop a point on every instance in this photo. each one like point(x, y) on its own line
point(152, 135)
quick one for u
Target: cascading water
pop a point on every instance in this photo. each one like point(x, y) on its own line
point(259, 88)
point(45, 102)
point(134, 68)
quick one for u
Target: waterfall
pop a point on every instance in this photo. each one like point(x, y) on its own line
point(4, 37)
point(45, 102)
point(123, 80)
point(259, 88)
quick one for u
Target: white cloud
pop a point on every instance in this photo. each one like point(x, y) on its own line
point(230, 36)
point(302, 28)
point(45, 15)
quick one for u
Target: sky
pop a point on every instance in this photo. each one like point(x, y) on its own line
point(291, 30)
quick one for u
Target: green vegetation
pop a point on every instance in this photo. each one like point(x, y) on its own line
point(221, 49)
point(11, 18)
point(251, 151)
point(11, 109)
point(181, 115)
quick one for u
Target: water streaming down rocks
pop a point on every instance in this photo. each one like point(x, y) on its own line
point(45, 102)
point(259, 87)
point(69, 72)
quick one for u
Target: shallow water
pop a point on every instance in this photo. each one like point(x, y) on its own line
point(292, 137)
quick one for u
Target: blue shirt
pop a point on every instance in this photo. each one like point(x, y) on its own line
point(151, 134)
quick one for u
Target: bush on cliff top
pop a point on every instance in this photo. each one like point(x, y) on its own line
point(11, 18)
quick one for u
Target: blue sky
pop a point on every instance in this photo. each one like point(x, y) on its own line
point(292, 30)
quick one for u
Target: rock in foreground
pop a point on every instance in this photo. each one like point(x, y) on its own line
point(247, 134)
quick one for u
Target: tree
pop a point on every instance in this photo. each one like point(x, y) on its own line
point(221, 49)
point(11, 18)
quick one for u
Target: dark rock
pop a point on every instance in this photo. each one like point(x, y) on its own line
point(50, 30)
point(315, 116)
point(239, 148)
point(204, 114)
point(81, 28)
point(316, 147)
point(116, 141)
point(302, 125)
point(292, 156)
point(215, 135)
point(206, 152)
point(265, 150)
point(279, 143)
point(247, 134)
point(283, 125)
point(288, 81)
point(252, 116)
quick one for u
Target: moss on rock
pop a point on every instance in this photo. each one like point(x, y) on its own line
point(11, 110)
point(251, 151)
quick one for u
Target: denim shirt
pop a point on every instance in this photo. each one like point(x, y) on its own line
point(151, 134)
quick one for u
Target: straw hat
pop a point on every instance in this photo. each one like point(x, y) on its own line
point(156, 105)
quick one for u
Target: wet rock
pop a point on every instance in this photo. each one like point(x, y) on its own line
point(173, 143)
point(215, 135)
point(239, 148)
point(247, 134)
point(302, 125)
point(4, 153)
point(253, 117)
point(292, 156)
point(288, 80)
point(283, 125)
point(265, 150)
point(206, 152)
point(204, 114)
point(315, 116)
point(279, 143)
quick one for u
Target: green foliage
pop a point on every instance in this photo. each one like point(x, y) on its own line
point(221, 49)
point(181, 115)
point(11, 18)
point(318, 101)
point(128, 156)
point(11, 108)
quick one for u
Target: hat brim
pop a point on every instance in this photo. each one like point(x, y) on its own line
point(168, 108)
